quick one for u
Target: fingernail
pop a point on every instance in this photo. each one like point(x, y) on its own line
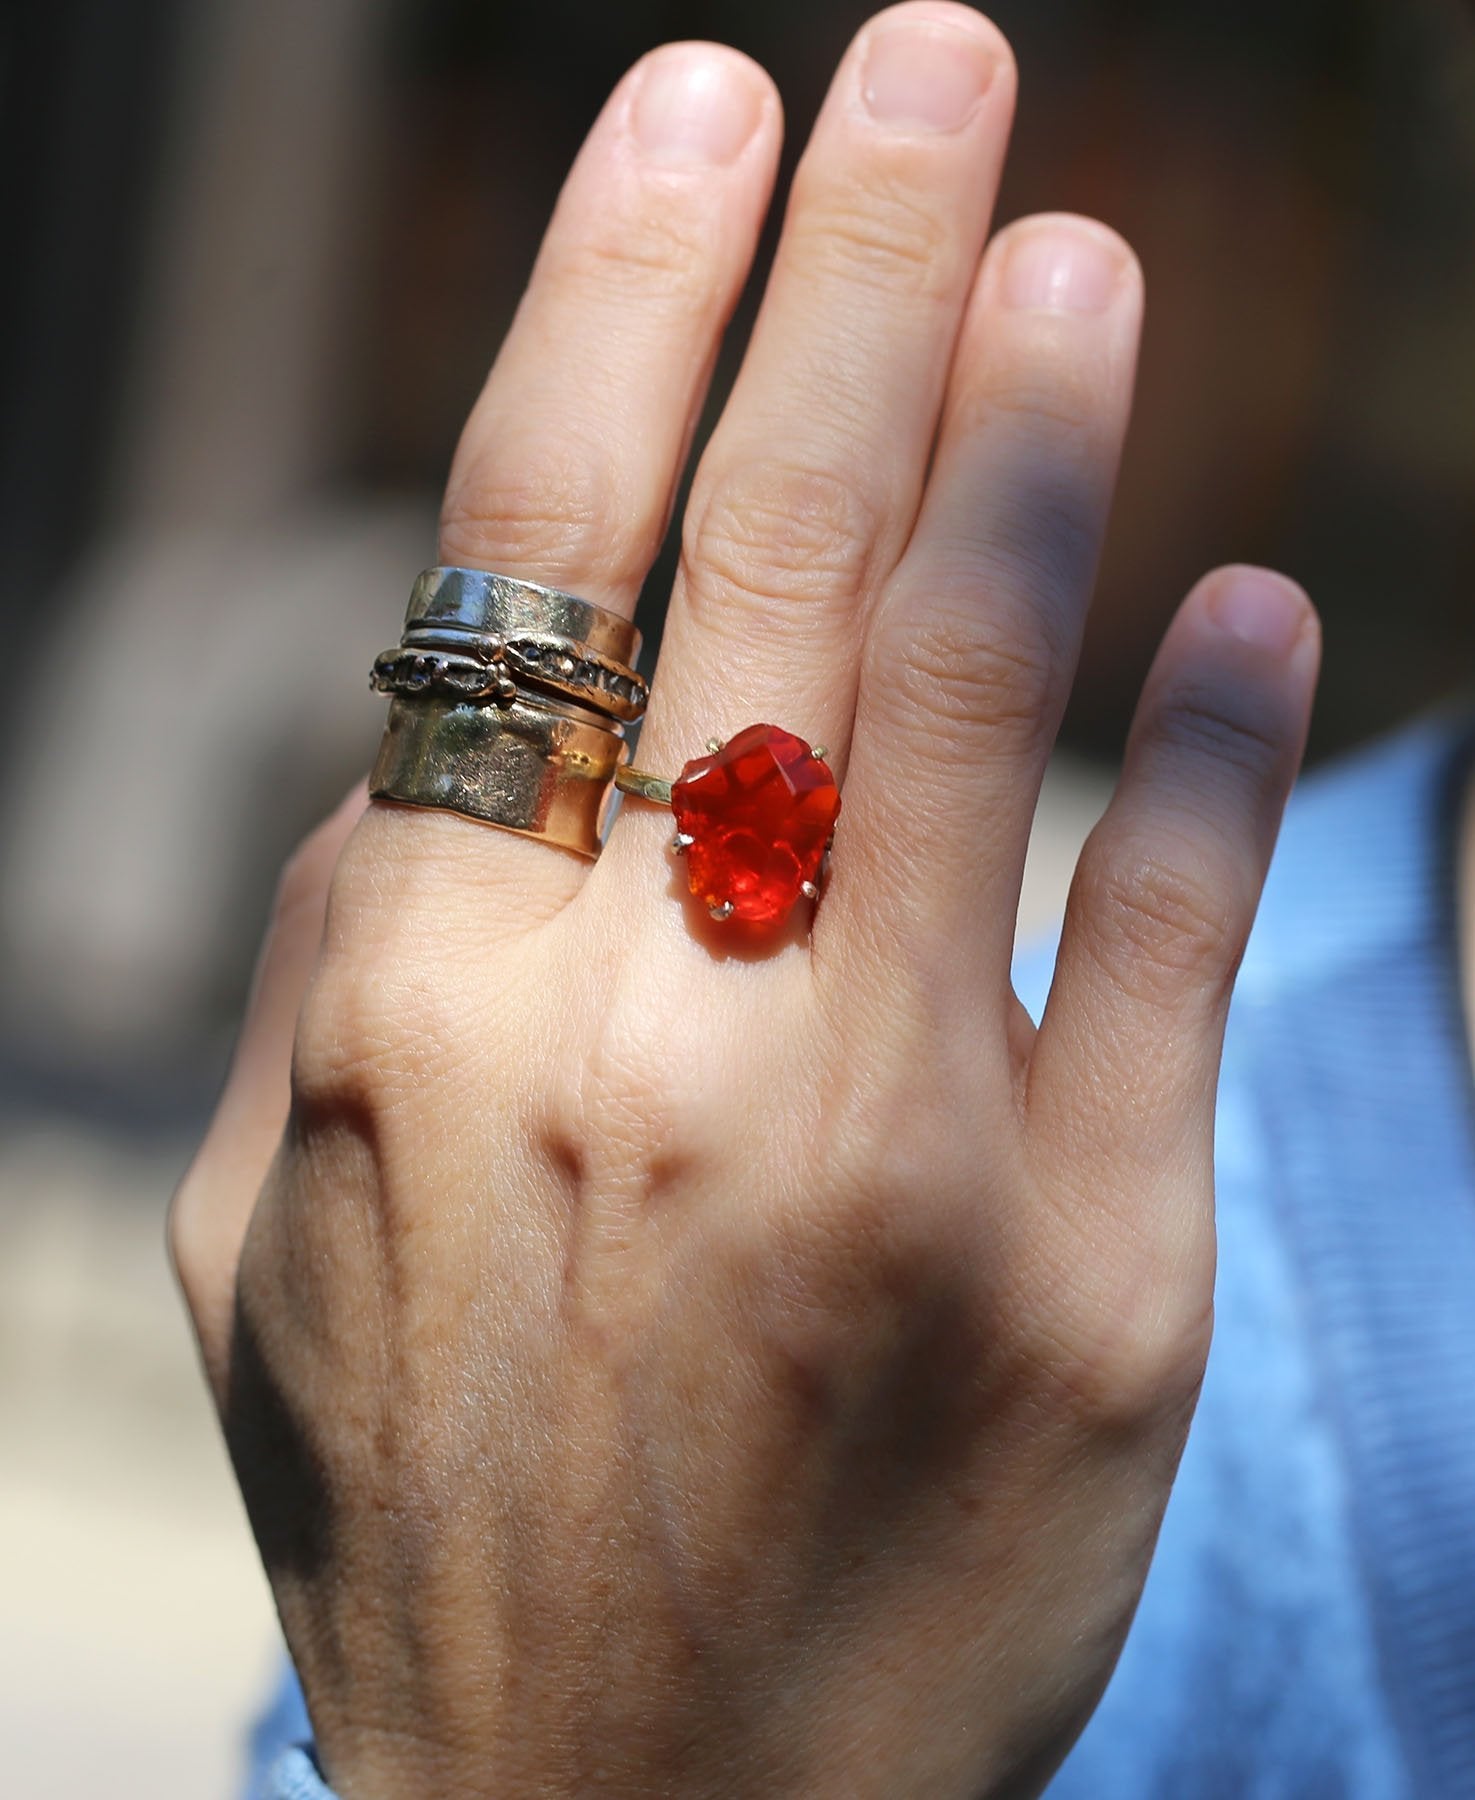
point(694, 105)
point(928, 77)
point(1259, 607)
point(1062, 268)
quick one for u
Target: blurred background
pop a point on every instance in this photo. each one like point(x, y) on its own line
point(256, 256)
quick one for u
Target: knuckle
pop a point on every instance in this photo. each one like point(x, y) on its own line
point(553, 506)
point(1219, 727)
point(902, 1175)
point(664, 255)
point(861, 1220)
point(1159, 925)
point(1044, 382)
point(1044, 544)
point(964, 670)
point(370, 1039)
point(880, 235)
point(1119, 1370)
point(779, 532)
point(341, 1036)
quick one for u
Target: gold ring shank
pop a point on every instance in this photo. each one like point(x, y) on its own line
point(534, 769)
point(646, 787)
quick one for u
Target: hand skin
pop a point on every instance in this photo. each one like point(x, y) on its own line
point(659, 1361)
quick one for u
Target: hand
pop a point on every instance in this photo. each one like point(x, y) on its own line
point(661, 1363)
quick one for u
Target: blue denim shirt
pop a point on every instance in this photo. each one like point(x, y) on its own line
point(1308, 1628)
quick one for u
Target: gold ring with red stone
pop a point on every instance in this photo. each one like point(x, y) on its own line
point(754, 819)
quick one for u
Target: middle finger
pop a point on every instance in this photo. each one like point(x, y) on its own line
point(809, 488)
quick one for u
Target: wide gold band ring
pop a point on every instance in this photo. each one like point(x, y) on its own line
point(509, 705)
point(526, 767)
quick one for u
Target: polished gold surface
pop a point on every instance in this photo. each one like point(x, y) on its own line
point(544, 771)
point(647, 787)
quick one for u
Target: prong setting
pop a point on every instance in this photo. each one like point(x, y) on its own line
point(809, 890)
point(723, 912)
point(820, 752)
point(714, 745)
point(681, 843)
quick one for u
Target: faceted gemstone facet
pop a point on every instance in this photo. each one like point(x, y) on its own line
point(759, 813)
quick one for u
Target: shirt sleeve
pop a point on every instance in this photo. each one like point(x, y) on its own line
point(294, 1775)
point(280, 1760)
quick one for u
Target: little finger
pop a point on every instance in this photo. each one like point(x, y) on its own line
point(1125, 1065)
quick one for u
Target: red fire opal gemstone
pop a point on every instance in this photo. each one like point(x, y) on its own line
point(759, 813)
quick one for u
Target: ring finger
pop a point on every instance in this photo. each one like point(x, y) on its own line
point(971, 652)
